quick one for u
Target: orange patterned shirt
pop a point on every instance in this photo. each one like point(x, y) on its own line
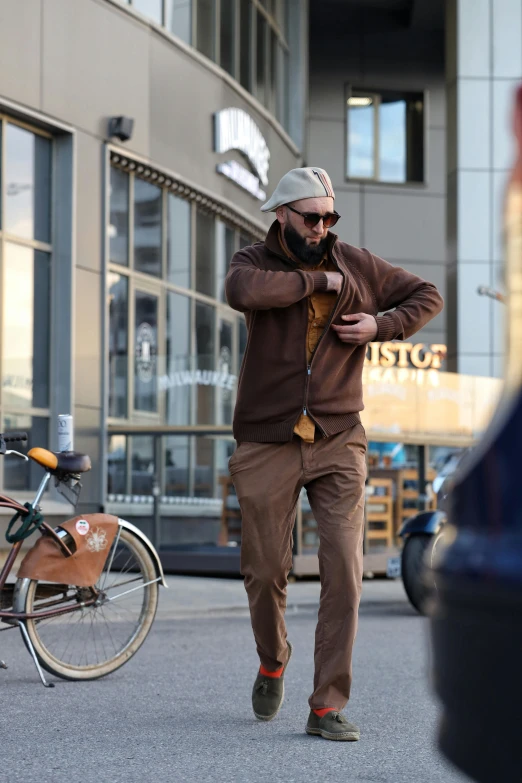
point(320, 306)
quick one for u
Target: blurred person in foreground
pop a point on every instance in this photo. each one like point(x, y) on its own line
point(312, 303)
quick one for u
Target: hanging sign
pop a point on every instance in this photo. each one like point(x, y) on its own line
point(234, 129)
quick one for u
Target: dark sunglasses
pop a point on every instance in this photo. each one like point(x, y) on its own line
point(311, 219)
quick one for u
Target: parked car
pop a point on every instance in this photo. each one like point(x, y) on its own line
point(422, 535)
point(476, 624)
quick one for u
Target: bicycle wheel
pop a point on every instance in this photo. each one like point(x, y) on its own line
point(94, 641)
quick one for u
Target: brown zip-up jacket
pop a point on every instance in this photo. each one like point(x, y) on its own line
point(276, 382)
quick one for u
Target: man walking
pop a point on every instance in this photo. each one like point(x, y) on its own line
point(312, 303)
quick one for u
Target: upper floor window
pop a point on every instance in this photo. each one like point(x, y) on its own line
point(247, 38)
point(385, 136)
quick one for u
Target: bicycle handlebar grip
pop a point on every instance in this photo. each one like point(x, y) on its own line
point(11, 437)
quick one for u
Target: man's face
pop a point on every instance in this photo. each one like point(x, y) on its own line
point(308, 244)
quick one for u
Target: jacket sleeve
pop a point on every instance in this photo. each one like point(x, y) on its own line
point(249, 288)
point(413, 302)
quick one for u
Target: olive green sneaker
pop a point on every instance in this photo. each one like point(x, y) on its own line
point(332, 726)
point(268, 693)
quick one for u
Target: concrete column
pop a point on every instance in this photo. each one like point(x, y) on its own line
point(483, 67)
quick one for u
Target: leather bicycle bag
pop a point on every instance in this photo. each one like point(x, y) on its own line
point(93, 535)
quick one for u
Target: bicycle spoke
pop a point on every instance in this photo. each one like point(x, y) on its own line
point(127, 582)
point(114, 548)
point(89, 641)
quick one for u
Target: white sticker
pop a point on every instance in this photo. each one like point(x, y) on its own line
point(82, 526)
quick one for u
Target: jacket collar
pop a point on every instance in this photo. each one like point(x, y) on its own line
point(273, 245)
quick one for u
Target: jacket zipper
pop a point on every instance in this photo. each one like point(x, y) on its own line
point(308, 374)
point(309, 365)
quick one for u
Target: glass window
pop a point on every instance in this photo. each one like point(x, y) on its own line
point(245, 48)
point(26, 327)
point(205, 253)
point(392, 141)
point(205, 346)
point(142, 464)
point(147, 227)
point(178, 241)
point(206, 27)
point(361, 136)
point(282, 87)
point(204, 468)
point(179, 19)
point(25, 476)
point(261, 35)
point(226, 371)
point(228, 35)
point(27, 184)
point(118, 344)
point(273, 65)
point(179, 378)
point(117, 465)
point(225, 249)
point(150, 8)
point(385, 136)
point(146, 352)
point(119, 218)
point(177, 463)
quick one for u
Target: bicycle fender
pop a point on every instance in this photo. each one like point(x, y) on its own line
point(93, 535)
point(143, 538)
point(428, 522)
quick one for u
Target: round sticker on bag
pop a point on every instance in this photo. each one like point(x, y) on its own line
point(82, 526)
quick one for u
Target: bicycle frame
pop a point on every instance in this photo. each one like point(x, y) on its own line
point(7, 502)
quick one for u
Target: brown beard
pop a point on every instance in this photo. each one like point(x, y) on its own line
point(307, 255)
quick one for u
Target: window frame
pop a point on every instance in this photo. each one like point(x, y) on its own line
point(350, 90)
point(161, 287)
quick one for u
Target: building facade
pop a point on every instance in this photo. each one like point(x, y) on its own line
point(138, 139)
point(115, 238)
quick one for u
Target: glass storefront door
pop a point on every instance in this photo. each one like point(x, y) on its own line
point(146, 352)
point(226, 352)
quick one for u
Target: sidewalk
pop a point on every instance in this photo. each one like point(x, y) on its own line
point(189, 596)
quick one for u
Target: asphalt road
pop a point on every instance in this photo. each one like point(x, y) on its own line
point(180, 710)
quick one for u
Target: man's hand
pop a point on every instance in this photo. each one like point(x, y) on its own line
point(335, 281)
point(361, 329)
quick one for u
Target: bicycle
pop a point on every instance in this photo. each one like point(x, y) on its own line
point(87, 591)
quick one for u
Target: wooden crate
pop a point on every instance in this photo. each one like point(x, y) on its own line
point(230, 514)
point(408, 495)
point(379, 531)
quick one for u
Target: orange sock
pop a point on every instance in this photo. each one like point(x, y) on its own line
point(278, 672)
point(324, 711)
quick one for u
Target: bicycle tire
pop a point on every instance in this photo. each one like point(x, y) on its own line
point(52, 662)
point(414, 560)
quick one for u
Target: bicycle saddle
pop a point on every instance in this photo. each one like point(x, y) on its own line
point(61, 462)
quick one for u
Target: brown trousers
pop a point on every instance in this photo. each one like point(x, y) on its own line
point(268, 478)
